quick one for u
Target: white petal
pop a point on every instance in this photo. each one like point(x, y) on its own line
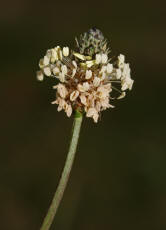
point(74, 72)
point(124, 86)
point(103, 92)
point(88, 74)
point(98, 59)
point(96, 117)
point(62, 102)
point(62, 90)
point(91, 112)
point(104, 58)
point(80, 88)
point(131, 84)
point(59, 108)
point(126, 70)
point(96, 81)
point(55, 70)
point(64, 69)
point(103, 69)
point(83, 88)
point(46, 60)
point(75, 64)
point(83, 99)
point(74, 95)
point(109, 68)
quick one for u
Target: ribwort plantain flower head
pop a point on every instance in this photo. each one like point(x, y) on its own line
point(88, 77)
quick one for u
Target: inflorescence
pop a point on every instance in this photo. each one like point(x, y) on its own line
point(88, 77)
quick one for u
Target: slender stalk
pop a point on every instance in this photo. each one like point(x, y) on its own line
point(65, 174)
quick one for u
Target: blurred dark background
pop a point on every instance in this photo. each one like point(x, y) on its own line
point(119, 176)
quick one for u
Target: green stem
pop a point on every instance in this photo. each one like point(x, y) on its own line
point(65, 174)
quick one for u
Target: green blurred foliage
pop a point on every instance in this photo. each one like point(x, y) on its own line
point(118, 179)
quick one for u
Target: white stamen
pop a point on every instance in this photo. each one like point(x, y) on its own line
point(118, 74)
point(66, 51)
point(123, 94)
point(40, 76)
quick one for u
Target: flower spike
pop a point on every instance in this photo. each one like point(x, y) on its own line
point(87, 78)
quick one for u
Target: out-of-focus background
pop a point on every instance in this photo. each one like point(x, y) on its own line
point(119, 176)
